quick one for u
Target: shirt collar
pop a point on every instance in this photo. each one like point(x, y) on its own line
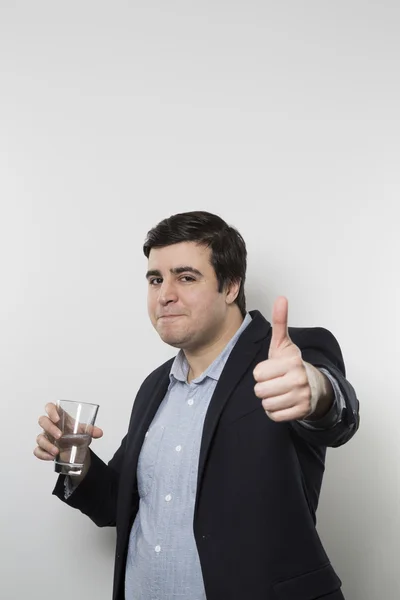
point(180, 367)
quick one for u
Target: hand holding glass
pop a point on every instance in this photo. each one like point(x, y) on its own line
point(76, 424)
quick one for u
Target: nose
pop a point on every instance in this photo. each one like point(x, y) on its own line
point(167, 293)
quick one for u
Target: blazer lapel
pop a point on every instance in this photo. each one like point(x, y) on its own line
point(145, 407)
point(148, 403)
point(241, 357)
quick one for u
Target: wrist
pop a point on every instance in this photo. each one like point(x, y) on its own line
point(322, 393)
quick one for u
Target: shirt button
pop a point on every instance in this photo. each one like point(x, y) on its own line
point(190, 401)
point(168, 497)
point(147, 433)
point(157, 549)
point(178, 448)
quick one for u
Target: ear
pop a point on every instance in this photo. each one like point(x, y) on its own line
point(232, 291)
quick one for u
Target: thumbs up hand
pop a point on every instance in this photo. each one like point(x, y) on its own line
point(290, 389)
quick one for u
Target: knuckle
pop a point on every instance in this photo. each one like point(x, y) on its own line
point(271, 414)
point(306, 396)
point(301, 379)
point(258, 390)
point(49, 407)
point(266, 405)
point(275, 417)
point(258, 371)
point(51, 410)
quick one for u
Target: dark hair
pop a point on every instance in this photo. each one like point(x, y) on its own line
point(228, 249)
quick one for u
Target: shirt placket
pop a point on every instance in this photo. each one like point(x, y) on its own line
point(180, 442)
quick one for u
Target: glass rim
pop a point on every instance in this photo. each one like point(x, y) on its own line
point(76, 402)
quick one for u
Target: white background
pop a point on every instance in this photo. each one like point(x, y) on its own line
point(282, 117)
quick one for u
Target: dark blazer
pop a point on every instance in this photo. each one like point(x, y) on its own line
point(258, 481)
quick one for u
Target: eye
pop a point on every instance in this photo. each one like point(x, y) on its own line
point(187, 278)
point(155, 280)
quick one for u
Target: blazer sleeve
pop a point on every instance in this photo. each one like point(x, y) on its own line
point(96, 495)
point(320, 348)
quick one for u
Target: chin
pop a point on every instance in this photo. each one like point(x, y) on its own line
point(171, 340)
point(175, 343)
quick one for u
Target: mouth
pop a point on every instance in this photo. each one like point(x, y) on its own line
point(169, 317)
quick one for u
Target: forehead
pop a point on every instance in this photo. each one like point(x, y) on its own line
point(175, 255)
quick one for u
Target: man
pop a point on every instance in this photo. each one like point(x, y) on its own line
point(214, 488)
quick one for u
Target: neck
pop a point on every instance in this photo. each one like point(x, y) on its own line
point(200, 359)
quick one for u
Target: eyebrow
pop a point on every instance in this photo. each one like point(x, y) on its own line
point(174, 271)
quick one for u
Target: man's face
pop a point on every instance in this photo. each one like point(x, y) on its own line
point(184, 304)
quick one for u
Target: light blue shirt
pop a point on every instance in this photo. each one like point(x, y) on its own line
point(162, 561)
